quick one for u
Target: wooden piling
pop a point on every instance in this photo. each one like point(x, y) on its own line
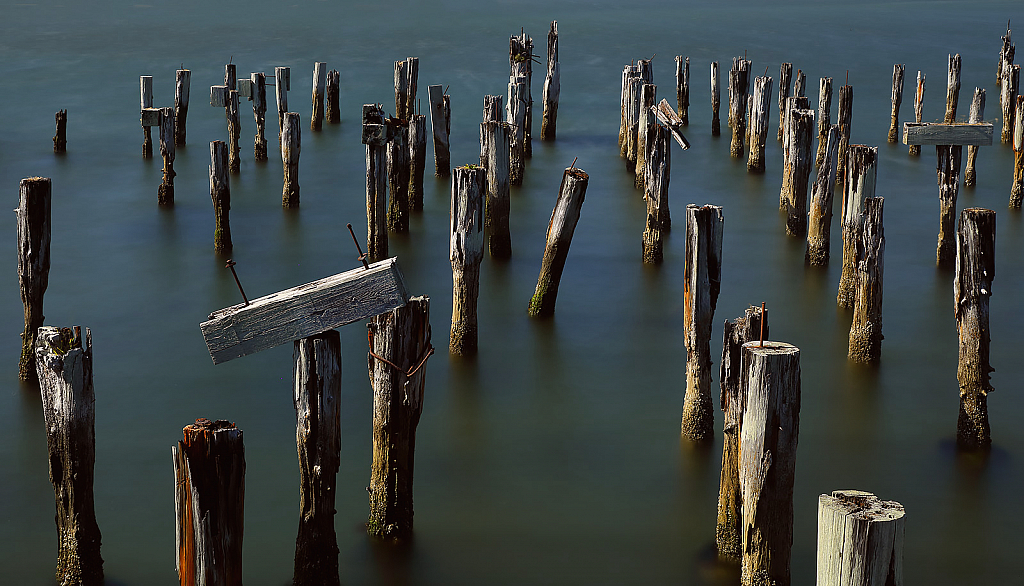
point(715, 100)
point(824, 119)
point(515, 116)
point(234, 132)
point(332, 109)
point(397, 157)
point(552, 87)
point(282, 83)
point(316, 120)
point(60, 137)
point(1005, 54)
point(627, 73)
point(146, 95)
point(866, 327)
point(259, 112)
point(768, 442)
point(209, 495)
point(406, 75)
point(220, 193)
point(182, 80)
point(860, 540)
point(466, 250)
point(564, 217)
point(844, 117)
point(374, 136)
point(702, 271)
point(316, 385)
point(658, 170)
point(634, 94)
point(800, 83)
point(738, 109)
point(165, 193)
point(819, 229)
point(63, 362)
point(1008, 100)
point(785, 79)
point(683, 88)
point(736, 333)
point(440, 124)
point(644, 120)
point(952, 88)
point(493, 110)
point(977, 115)
point(291, 147)
point(1017, 189)
point(417, 160)
point(897, 99)
point(400, 345)
point(496, 152)
point(33, 213)
point(915, 149)
point(858, 187)
point(520, 60)
point(972, 288)
point(759, 123)
point(231, 76)
point(948, 171)
point(797, 168)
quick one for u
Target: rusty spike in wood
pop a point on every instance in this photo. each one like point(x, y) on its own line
point(866, 327)
point(33, 213)
point(915, 149)
point(860, 539)
point(977, 115)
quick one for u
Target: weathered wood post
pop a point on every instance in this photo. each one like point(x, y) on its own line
point(897, 99)
point(63, 363)
point(797, 169)
point(738, 64)
point(1005, 53)
point(406, 76)
point(976, 116)
point(440, 124)
point(209, 497)
point(234, 132)
point(316, 384)
point(397, 155)
point(738, 109)
point(844, 118)
point(165, 193)
point(332, 110)
point(866, 327)
point(375, 137)
point(1017, 189)
point(915, 149)
point(860, 540)
point(182, 80)
point(644, 119)
point(715, 100)
point(972, 288)
point(60, 137)
point(683, 88)
point(800, 84)
point(736, 333)
point(291, 146)
point(634, 93)
point(515, 116)
point(785, 79)
point(466, 250)
point(400, 345)
point(520, 60)
point(768, 442)
point(417, 160)
point(282, 84)
point(259, 112)
point(220, 192)
point(952, 88)
point(146, 95)
point(819, 229)
point(33, 264)
point(759, 123)
point(824, 118)
point(316, 120)
point(703, 280)
point(564, 217)
point(658, 171)
point(1008, 99)
point(627, 73)
point(552, 87)
point(496, 152)
point(858, 187)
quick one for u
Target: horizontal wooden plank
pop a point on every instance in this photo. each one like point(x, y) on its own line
point(151, 116)
point(304, 311)
point(219, 95)
point(669, 119)
point(926, 133)
point(244, 87)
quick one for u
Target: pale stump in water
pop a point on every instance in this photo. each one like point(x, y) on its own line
point(209, 496)
point(736, 333)
point(33, 213)
point(866, 327)
point(220, 193)
point(658, 172)
point(768, 443)
point(63, 362)
point(702, 271)
point(897, 99)
point(860, 540)
point(948, 173)
point(859, 186)
point(977, 115)
point(291, 146)
point(316, 376)
point(466, 250)
point(972, 288)
point(564, 217)
point(819, 226)
point(401, 338)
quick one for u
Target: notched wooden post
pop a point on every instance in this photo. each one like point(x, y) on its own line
point(220, 193)
point(440, 124)
point(63, 364)
point(564, 217)
point(291, 146)
point(466, 250)
point(33, 213)
point(860, 540)
point(866, 327)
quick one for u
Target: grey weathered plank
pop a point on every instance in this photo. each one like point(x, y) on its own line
point(305, 310)
point(668, 117)
point(941, 134)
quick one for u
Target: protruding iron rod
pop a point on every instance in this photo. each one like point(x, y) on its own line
point(361, 257)
point(231, 265)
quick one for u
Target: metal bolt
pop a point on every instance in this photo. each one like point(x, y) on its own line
point(361, 257)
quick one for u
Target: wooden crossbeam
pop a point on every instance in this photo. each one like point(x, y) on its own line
point(926, 133)
point(305, 310)
point(151, 116)
point(669, 119)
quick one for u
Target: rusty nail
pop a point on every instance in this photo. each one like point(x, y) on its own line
point(573, 166)
point(361, 257)
point(231, 265)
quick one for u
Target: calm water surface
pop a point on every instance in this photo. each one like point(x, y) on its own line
point(554, 456)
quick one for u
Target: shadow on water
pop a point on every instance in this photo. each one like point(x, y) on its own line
point(393, 561)
point(711, 571)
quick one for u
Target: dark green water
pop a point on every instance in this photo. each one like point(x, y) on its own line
point(554, 456)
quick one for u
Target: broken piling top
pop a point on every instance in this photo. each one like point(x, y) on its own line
point(304, 311)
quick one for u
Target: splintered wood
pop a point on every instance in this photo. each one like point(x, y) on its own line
point(860, 540)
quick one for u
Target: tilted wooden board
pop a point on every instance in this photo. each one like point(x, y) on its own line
point(947, 134)
point(669, 119)
point(305, 310)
